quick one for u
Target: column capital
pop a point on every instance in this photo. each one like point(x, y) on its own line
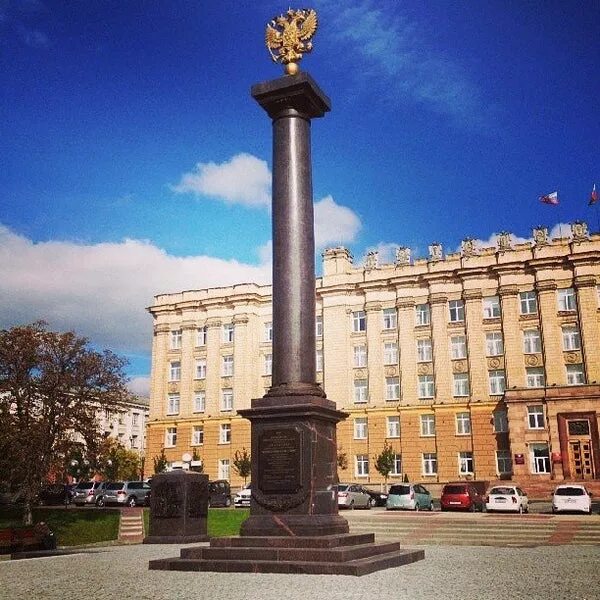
point(438, 298)
point(372, 306)
point(472, 295)
point(546, 286)
point(213, 323)
point(508, 290)
point(585, 281)
point(405, 303)
point(187, 325)
point(240, 319)
point(162, 328)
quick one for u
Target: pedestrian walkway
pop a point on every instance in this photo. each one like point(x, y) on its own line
point(131, 526)
point(477, 529)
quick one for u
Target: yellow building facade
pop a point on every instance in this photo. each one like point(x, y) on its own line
point(481, 364)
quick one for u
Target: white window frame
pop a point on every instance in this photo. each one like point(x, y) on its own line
point(528, 302)
point(491, 307)
point(424, 350)
point(201, 336)
point(461, 384)
point(228, 333)
point(397, 466)
point(465, 463)
point(575, 374)
point(226, 399)
point(427, 425)
point(456, 311)
point(224, 468)
point(534, 377)
point(390, 353)
point(393, 426)
point(173, 404)
point(390, 318)
point(566, 300)
point(200, 401)
point(176, 339)
point(175, 370)
point(171, 437)
point(540, 464)
point(535, 417)
point(458, 347)
point(494, 343)
point(500, 421)
point(360, 356)
point(497, 382)
point(197, 435)
point(361, 391)
point(319, 360)
point(429, 464)
point(268, 332)
point(227, 365)
point(532, 341)
point(361, 428)
point(571, 338)
point(225, 433)
point(361, 465)
point(463, 423)
point(392, 388)
point(268, 364)
point(319, 326)
point(426, 386)
point(503, 462)
point(359, 321)
point(200, 368)
point(422, 314)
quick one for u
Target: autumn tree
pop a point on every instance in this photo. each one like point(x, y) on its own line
point(342, 459)
point(384, 462)
point(52, 387)
point(160, 462)
point(116, 462)
point(242, 463)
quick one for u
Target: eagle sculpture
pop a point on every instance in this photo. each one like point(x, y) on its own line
point(290, 35)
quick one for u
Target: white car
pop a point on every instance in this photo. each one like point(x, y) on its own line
point(507, 498)
point(242, 498)
point(572, 497)
point(352, 495)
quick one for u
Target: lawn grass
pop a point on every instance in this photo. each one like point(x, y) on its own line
point(73, 526)
point(221, 521)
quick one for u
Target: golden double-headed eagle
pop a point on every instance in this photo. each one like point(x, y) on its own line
point(289, 35)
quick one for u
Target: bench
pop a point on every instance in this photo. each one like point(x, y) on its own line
point(20, 539)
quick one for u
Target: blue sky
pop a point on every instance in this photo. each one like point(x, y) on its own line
point(133, 160)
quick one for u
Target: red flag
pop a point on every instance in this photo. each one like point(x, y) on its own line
point(550, 198)
point(593, 196)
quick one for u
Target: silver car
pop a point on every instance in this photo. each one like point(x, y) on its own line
point(124, 493)
point(352, 495)
point(86, 492)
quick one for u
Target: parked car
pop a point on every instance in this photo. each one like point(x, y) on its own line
point(572, 497)
point(219, 493)
point(507, 497)
point(55, 493)
point(124, 493)
point(242, 498)
point(409, 496)
point(461, 496)
point(352, 495)
point(85, 492)
point(377, 498)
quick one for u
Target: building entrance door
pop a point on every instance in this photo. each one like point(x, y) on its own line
point(580, 450)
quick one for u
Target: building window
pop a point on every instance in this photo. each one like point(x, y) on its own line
point(176, 339)
point(491, 307)
point(268, 332)
point(224, 468)
point(359, 321)
point(135, 419)
point(493, 343)
point(171, 437)
point(497, 382)
point(227, 366)
point(173, 404)
point(423, 314)
point(390, 318)
point(319, 360)
point(197, 435)
point(175, 370)
point(535, 417)
point(225, 433)
point(427, 425)
point(500, 421)
point(360, 391)
point(393, 427)
point(503, 462)
point(200, 368)
point(535, 377)
point(532, 341)
point(426, 388)
point(465, 463)
point(429, 461)
point(226, 399)
point(540, 458)
point(566, 299)
point(390, 353)
point(360, 428)
point(575, 374)
point(392, 388)
point(571, 338)
point(228, 333)
point(461, 384)
point(134, 441)
point(528, 303)
point(397, 467)
point(458, 347)
point(457, 311)
point(360, 356)
point(268, 365)
point(362, 465)
point(199, 402)
point(463, 423)
point(201, 334)
point(319, 326)
point(424, 350)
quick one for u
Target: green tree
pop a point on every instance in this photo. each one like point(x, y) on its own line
point(117, 463)
point(160, 462)
point(52, 388)
point(342, 459)
point(242, 463)
point(384, 462)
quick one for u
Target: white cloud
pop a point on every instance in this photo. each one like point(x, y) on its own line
point(334, 223)
point(140, 386)
point(101, 290)
point(245, 179)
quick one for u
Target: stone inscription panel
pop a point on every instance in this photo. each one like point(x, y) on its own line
point(280, 460)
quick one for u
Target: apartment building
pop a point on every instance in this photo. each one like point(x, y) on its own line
point(480, 364)
point(127, 423)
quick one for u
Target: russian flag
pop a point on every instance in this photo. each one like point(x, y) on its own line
point(550, 198)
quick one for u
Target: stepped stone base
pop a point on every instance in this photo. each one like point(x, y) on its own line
point(345, 554)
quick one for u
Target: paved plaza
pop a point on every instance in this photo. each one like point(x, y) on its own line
point(469, 573)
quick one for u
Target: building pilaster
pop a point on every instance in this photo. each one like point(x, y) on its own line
point(407, 350)
point(587, 306)
point(374, 353)
point(441, 354)
point(551, 333)
point(512, 336)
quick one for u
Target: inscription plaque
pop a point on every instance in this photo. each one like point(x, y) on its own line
point(280, 461)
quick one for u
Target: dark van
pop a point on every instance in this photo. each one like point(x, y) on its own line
point(219, 493)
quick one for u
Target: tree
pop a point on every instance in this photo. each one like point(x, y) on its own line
point(160, 462)
point(384, 462)
point(242, 463)
point(117, 462)
point(342, 459)
point(52, 387)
